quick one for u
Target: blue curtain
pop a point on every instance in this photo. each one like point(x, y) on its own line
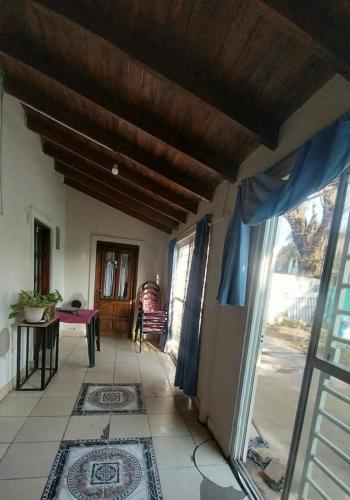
point(320, 160)
point(171, 252)
point(187, 361)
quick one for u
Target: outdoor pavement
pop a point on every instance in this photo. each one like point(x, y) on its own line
point(280, 373)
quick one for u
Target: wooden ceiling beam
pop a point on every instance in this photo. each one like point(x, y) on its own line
point(111, 193)
point(35, 100)
point(116, 205)
point(77, 144)
point(122, 190)
point(165, 63)
point(73, 79)
point(102, 167)
point(320, 25)
point(88, 169)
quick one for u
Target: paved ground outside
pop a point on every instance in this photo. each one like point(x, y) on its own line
point(280, 373)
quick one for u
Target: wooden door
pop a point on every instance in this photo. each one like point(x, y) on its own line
point(42, 257)
point(115, 287)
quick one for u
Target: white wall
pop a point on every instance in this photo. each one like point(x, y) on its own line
point(30, 187)
point(223, 328)
point(89, 220)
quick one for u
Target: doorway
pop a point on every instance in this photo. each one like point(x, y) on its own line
point(42, 257)
point(115, 287)
point(292, 432)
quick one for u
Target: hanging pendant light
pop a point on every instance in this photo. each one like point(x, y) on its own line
point(115, 168)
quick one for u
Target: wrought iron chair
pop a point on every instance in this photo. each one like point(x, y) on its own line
point(151, 318)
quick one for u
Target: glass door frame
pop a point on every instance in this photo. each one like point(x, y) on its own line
point(252, 345)
point(188, 239)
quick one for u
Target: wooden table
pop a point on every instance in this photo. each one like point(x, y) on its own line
point(46, 337)
point(90, 318)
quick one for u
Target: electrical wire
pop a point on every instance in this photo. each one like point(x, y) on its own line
point(235, 474)
point(195, 462)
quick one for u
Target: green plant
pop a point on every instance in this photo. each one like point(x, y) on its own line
point(54, 297)
point(34, 299)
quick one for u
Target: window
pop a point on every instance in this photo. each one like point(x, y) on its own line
point(42, 257)
point(182, 265)
point(115, 273)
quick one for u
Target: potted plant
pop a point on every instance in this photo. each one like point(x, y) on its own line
point(32, 305)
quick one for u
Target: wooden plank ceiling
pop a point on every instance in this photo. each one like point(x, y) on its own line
point(177, 93)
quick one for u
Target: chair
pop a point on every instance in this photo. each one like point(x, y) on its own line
point(151, 318)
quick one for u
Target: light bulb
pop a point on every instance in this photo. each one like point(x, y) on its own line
point(115, 169)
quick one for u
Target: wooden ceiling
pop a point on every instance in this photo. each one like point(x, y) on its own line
point(178, 93)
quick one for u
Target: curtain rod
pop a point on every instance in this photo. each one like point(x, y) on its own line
point(181, 235)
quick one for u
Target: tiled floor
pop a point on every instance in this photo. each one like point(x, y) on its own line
point(32, 424)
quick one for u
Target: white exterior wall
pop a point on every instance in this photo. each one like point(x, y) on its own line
point(223, 328)
point(30, 188)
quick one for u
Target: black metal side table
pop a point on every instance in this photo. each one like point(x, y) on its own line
point(44, 353)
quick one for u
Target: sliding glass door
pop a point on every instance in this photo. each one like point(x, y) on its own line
point(323, 455)
point(182, 265)
point(299, 327)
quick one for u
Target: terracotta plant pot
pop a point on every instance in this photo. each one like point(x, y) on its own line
point(33, 314)
point(51, 310)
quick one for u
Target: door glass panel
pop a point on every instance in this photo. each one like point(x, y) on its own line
point(178, 293)
point(110, 265)
point(334, 343)
point(284, 328)
point(322, 464)
point(123, 276)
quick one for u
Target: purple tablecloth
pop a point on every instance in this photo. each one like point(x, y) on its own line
point(82, 316)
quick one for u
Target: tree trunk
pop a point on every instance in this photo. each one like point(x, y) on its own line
point(310, 237)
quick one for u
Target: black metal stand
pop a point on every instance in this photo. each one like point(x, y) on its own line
point(46, 338)
point(93, 338)
point(96, 323)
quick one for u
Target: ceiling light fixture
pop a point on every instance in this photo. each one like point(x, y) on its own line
point(115, 169)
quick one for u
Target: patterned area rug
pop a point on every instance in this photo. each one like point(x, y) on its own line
point(109, 398)
point(111, 470)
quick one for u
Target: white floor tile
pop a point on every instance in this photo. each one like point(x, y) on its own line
point(20, 489)
point(187, 483)
point(125, 378)
point(24, 460)
point(24, 394)
point(62, 391)
point(174, 452)
point(220, 474)
point(42, 429)
point(168, 425)
point(161, 390)
point(17, 407)
point(156, 406)
point(67, 376)
point(53, 407)
point(3, 448)
point(9, 427)
point(129, 426)
point(209, 454)
point(86, 427)
point(99, 377)
point(199, 431)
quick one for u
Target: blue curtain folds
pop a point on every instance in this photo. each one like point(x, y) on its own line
point(187, 362)
point(171, 253)
point(321, 160)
